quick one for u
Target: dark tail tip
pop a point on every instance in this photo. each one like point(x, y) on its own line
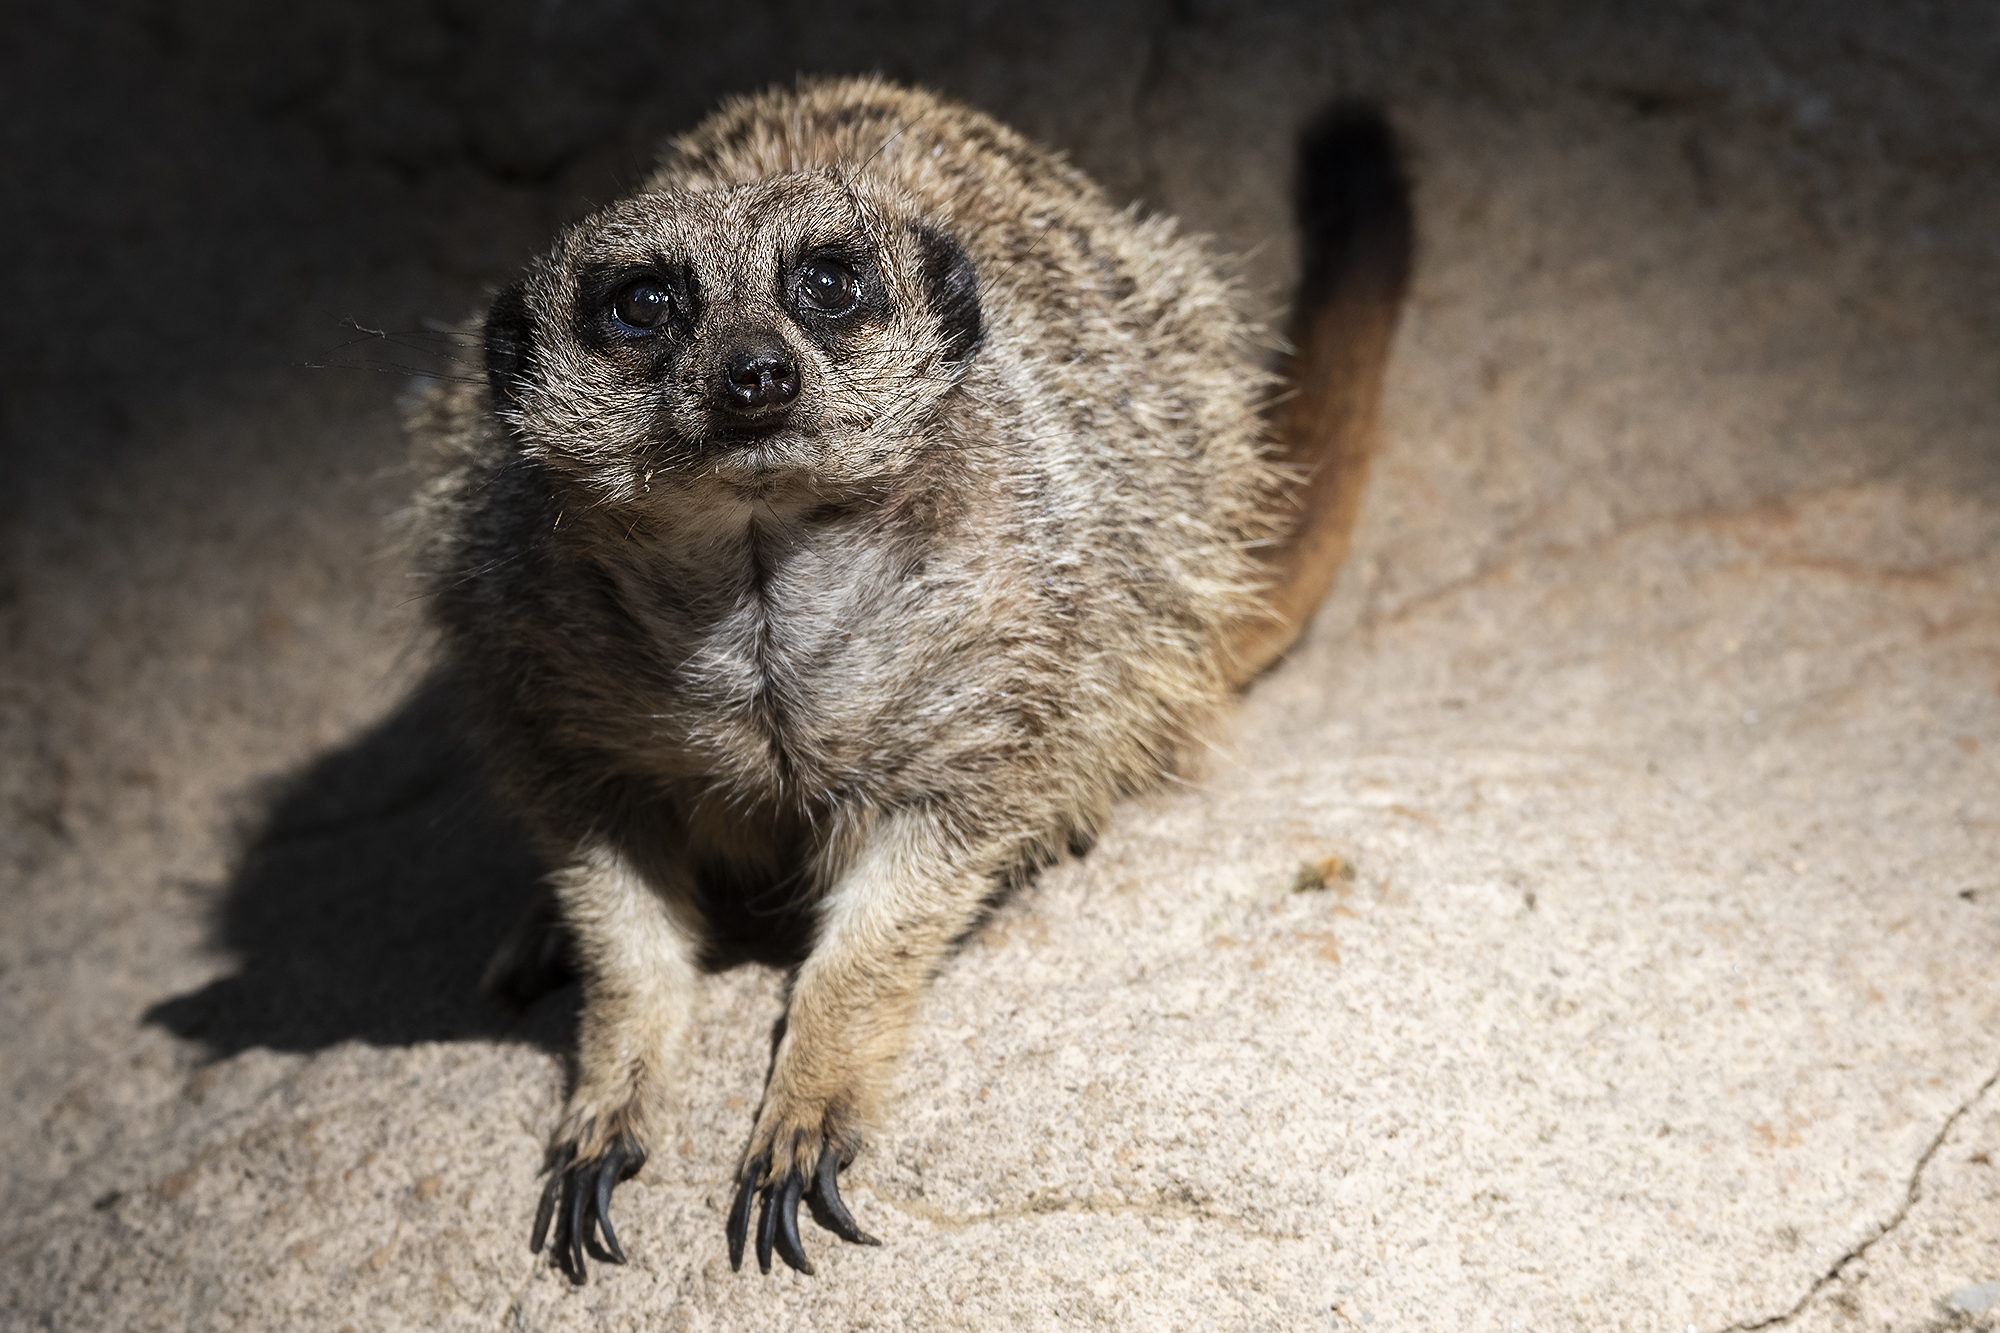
point(1353, 203)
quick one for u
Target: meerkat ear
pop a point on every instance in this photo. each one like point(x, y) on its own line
point(951, 286)
point(510, 345)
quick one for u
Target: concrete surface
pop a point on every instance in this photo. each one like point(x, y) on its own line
point(1594, 926)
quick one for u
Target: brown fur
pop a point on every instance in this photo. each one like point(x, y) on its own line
point(825, 685)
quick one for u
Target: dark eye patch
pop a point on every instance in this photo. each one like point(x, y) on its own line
point(641, 311)
point(833, 291)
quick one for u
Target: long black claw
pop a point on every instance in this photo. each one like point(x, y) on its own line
point(578, 1197)
point(767, 1230)
point(827, 1207)
point(786, 1206)
point(579, 1227)
point(546, 1210)
point(609, 1174)
point(739, 1212)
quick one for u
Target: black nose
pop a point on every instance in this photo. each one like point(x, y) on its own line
point(761, 379)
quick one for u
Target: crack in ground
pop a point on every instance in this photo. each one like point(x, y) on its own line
point(511, 1316)
point(1720, 522)
point(1910, 1198)
point(1169, 1210)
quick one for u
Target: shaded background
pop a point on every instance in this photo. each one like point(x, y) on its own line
point(1675, 259)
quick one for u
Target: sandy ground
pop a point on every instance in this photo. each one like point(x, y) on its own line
point(1595, 925)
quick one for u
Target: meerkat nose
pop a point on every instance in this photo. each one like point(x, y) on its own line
point(761, 378)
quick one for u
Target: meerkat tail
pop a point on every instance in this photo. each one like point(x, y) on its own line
point(1356, 236)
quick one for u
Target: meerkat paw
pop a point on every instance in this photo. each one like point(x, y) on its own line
point(577, 1199)
point(805, 1169)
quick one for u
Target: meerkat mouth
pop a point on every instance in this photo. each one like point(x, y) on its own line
point(759, 458)
point(752, 446)
point(750, 435)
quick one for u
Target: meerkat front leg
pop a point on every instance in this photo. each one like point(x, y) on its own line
point(911, 891)
point(637, 957)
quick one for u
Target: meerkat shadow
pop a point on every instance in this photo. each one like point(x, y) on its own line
point(371, 889)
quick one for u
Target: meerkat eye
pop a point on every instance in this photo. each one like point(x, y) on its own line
point(828, 286)
point(644, 304)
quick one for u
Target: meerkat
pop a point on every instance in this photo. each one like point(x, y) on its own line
point(846, 520)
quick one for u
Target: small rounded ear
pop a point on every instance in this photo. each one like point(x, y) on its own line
point(510, 346)
point(951, 289)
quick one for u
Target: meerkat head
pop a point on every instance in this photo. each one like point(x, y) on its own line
point(798, 331)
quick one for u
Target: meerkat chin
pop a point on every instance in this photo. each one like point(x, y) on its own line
point(847, 520)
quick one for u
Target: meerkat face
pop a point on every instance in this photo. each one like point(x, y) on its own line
point(798, 331)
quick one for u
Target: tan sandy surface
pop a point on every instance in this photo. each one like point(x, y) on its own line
point(1595, 925)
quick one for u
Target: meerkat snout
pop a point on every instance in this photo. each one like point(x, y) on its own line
point(761, 377)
